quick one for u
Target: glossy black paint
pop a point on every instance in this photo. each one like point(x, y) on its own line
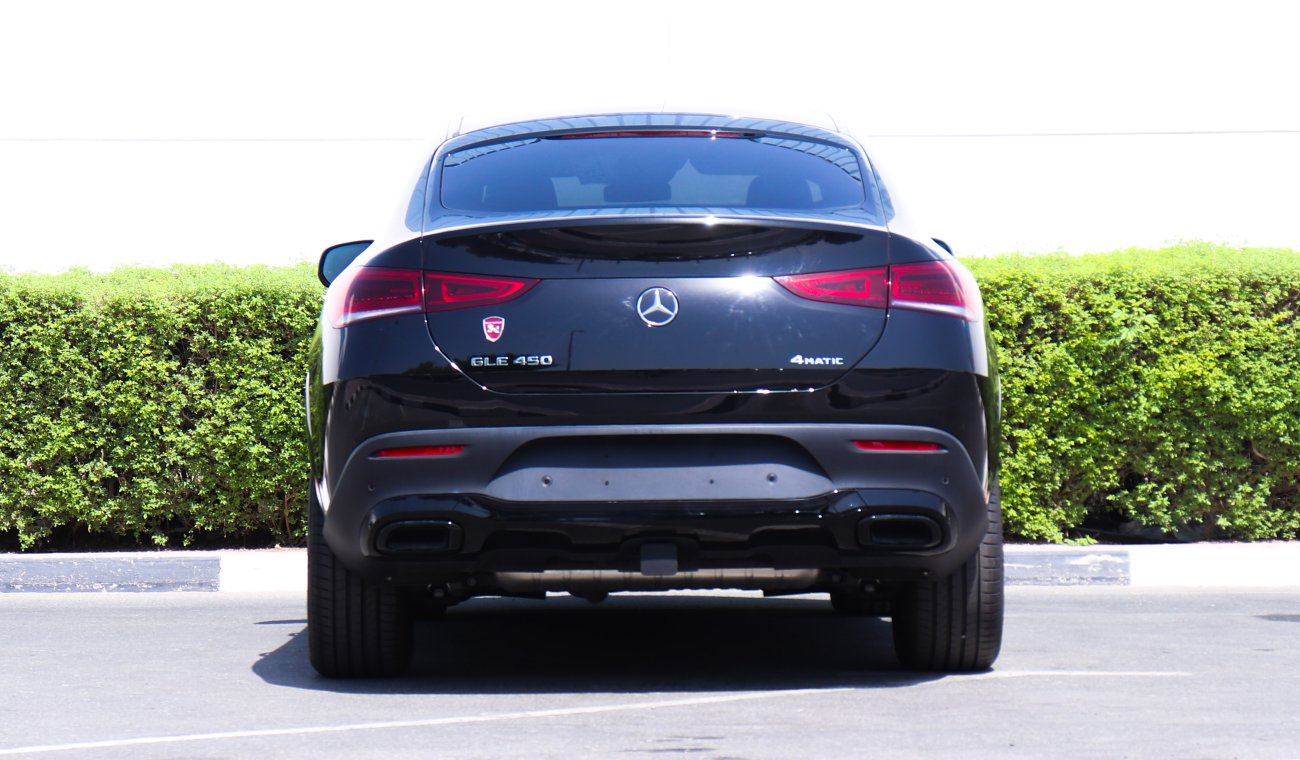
point(420, 390)
point(617, 391)
point(657, 247)
point(363, 408)
point(366, 412)
point(737, 328)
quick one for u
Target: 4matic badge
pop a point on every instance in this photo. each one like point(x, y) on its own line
point(817, 361)
point(494, 328)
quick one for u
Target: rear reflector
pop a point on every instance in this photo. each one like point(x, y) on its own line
point(940, 287)
point(897, 446)
point(418, 451)
point(446, 292)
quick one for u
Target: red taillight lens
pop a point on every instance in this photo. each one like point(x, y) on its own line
point(941, 287)
point(372, 292)
point(418, 451)
point(445, 292)
point(897, 446)
point(367, 293)
point(868, 287)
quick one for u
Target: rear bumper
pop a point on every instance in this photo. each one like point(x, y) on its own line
point(594, 497)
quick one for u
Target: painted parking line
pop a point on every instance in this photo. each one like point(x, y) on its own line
point(215, 736)
point(429, 723)
point(994, 675)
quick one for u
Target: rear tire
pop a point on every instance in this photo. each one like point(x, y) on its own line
point(355, 629)
point(954, 624)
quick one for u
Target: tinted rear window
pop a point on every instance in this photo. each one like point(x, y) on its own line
point(538, 174)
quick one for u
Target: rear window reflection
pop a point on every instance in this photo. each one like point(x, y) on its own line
point(616, 170)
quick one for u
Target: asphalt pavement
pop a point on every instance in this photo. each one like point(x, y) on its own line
point(1089, 671)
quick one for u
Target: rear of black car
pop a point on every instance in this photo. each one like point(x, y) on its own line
point(635, 355)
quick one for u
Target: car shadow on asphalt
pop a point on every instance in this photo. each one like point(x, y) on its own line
point(628, 644)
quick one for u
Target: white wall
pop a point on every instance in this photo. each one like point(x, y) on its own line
point(158, 132)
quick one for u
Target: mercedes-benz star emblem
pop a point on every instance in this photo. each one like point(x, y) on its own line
point(657, 307)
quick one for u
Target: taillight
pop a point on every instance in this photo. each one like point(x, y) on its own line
point(868, 287)
point(897, 446)
point(940, 287)
point(418, 451)
point(369, 293)
point(445, 292)
point(373, 292)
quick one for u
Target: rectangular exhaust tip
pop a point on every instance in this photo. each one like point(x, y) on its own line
point(899, 531)
point(418, 537)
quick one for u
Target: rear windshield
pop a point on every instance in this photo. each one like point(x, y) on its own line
point(621, 169)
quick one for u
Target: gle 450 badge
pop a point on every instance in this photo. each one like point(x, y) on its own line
point(494, 328)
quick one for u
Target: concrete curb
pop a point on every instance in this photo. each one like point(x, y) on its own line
point(1262, 565)
point(236, 571)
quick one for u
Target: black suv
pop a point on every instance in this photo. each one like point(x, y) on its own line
point(652, 351)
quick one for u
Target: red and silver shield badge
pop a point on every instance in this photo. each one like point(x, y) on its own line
point(494, 328)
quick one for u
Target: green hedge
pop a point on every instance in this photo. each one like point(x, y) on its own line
point(1161, 387)
point(164, 406)
point(158, 405)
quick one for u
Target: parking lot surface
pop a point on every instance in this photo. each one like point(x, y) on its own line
point(1104, 672)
